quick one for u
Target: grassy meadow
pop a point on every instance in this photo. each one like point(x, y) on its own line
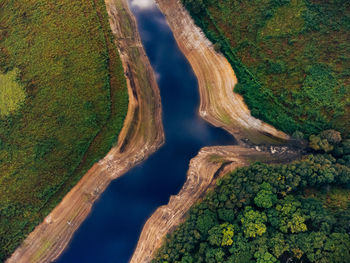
point(59, 66)
point(12, 94)
point(291, 57)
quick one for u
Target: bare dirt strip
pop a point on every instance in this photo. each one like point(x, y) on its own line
point(219, 105)
point(141, 135)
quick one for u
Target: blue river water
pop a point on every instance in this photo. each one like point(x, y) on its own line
point(111, 231)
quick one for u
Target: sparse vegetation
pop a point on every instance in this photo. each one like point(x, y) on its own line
point(64, 58)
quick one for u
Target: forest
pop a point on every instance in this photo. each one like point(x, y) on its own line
point(291, 58)
point(265, 213)
point(63, 100)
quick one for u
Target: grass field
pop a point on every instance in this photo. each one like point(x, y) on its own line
point(73, 99)
point(12, 94)
point(291, 57)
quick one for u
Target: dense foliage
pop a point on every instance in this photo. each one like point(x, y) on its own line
point(73, 108)
point(291, 57)
point(271, 213)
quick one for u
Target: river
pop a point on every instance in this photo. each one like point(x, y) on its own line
point(111, 231)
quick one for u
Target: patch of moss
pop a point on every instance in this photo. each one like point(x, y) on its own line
point(12, 94)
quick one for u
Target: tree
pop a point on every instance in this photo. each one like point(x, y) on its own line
point(290, 215)
point(253, 222)
point(187, 259)
point(278, 244)
point(228, 232)
point(206, 221)
point(221, 235)
point(332, 136)
point(214, 255)
point(318, 144)
point(297, 224)
point(265, 197)
point(264, 257)
point(226, 215)
point(215, 236)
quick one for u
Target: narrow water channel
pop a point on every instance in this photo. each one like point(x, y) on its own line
point(111, 231)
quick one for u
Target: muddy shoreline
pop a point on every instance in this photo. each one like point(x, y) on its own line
point(142, 134)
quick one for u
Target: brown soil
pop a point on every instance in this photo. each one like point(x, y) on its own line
point(219, 104)
point(141, 135)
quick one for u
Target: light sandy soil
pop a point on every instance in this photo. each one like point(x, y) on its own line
point(219, 104)
point(141, 135)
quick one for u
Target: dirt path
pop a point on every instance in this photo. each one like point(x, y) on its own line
point(141, 135)
point(219, 105)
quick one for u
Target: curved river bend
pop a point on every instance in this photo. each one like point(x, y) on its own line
point(111, 231)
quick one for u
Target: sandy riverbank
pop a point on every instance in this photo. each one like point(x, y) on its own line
point(141, 135)
point(219, 105)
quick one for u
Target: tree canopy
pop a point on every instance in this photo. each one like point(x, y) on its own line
point(271, 213)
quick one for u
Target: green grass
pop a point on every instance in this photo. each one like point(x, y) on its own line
point(74, 109)
point(12, 94)
point(287, 20)
point(291, 58)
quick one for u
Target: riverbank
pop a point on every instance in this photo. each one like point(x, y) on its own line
point(219, 105)
point(142, 134)
point(210, 163)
